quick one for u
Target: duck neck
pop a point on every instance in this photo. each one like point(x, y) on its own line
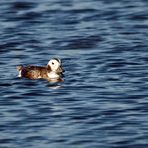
point(53, 75)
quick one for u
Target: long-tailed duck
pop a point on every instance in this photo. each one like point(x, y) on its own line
point(53, 70)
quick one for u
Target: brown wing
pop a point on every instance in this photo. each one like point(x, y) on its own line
point(34, 72)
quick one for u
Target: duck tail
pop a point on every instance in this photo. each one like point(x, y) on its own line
point(19, 67)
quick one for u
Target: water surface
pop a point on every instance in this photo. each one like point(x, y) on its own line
point(103, 99)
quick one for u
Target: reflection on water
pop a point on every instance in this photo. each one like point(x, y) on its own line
point(102, 101)
point(55, 87)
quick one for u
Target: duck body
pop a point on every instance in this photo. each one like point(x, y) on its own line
point(33, 72)
point(53, 70)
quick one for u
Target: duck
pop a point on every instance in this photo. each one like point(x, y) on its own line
point(52, 71)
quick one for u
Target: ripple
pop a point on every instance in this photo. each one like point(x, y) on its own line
point(29, 16)
point(83, 42)
point(22, 5)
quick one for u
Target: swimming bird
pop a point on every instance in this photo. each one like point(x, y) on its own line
point(53, 70)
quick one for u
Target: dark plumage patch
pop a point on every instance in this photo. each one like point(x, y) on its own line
point(58, 60)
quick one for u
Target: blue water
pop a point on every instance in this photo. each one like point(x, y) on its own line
point(103, 101)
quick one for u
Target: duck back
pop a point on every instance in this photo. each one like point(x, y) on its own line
point(34, 72)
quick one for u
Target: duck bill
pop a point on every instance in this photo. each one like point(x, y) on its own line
point(60, 70)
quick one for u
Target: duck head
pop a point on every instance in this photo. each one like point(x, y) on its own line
point(55, 65)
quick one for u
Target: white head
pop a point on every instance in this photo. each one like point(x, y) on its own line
point(55, 65)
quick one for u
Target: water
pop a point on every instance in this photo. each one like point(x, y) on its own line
point(103, 100)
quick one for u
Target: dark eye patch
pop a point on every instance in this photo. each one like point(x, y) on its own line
point(52, 63)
